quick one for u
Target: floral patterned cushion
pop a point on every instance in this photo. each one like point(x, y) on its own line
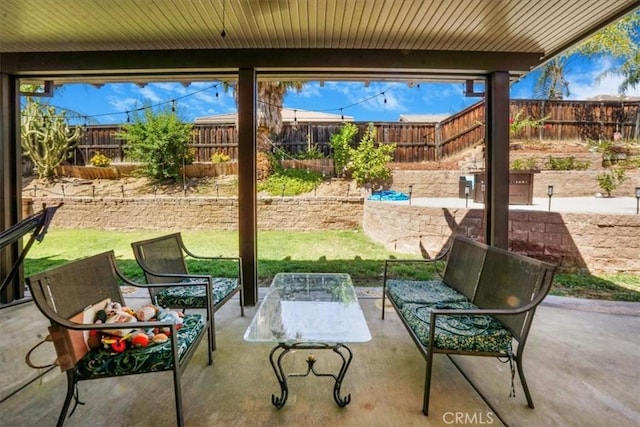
point(422, 292)
point(194, 296)
point(461, 333)
point(156, 357)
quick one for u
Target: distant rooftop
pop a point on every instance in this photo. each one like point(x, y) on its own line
point(289, 115)
point(614, 98)
point(423, 118)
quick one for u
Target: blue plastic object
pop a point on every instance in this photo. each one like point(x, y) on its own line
point(388, 195)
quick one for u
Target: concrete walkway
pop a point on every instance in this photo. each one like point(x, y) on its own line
point(581, 365)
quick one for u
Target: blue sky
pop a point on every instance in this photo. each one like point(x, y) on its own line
point(110, 103)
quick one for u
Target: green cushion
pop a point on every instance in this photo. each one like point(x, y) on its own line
point(461, 333)
point(156, 357)
point(422, 292)
point(194, 296)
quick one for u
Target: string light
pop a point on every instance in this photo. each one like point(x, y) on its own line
point(223, 33)
point(215, 86)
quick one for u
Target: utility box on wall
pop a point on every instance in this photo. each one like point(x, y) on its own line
point(520, 187)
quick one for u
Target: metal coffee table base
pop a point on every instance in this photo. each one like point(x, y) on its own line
point(342, 350)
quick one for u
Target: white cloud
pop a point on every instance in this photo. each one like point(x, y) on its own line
point(596, 81)
point(148, 93)
point(123, 104)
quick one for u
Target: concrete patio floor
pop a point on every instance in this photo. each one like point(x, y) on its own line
point(581, 364)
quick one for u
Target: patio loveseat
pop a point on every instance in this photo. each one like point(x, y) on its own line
point(71, 297)
point(483, 306)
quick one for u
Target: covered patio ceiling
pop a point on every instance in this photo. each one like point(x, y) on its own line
point(89, 40)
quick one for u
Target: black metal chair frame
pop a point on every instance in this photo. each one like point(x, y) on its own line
point(66, 290)
point(36, 224)
point(181, 272)
point(517, 319)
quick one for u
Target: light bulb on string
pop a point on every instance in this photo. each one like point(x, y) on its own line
point(223, 33)
point(385, 97)
point(341, 115)
point(173, 105)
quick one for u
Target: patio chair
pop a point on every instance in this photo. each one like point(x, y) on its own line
point(71, 295)
point(162, 260)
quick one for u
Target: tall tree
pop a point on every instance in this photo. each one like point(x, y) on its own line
point(551, 83)
point(617, 41)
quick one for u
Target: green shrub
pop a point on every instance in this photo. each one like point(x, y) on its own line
point(159, 141)
point(219, 157)
point(524, 164)
point(341, 145)
point(368, 163)
point(611, 179)
point(567, 163)
point(100, 161)
point(313, 153)
point(290, 182)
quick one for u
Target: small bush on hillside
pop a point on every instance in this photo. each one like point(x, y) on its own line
point(368, 163)
point(567, 164)
point(313, 153)
point(611, 179)
point(341, 146)
point(219, 157)
point(524, 164)
point(159, 141)
point(100, 160)
point(290, 182)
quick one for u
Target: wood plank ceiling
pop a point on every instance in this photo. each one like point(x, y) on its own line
point(541, 28)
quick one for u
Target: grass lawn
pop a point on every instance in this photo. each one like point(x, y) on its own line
point(282, 251)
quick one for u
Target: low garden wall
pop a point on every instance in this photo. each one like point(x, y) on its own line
point(200, 213)
point(434, 183)
point(593, 242)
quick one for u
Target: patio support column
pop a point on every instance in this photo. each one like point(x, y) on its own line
point(247, 192)
point(10, 180)
point(496, 211)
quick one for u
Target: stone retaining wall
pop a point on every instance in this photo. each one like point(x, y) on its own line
point(565, 183)
point(598, 243)
point(196, 213)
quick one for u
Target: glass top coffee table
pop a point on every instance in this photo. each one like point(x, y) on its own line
point(318, 311)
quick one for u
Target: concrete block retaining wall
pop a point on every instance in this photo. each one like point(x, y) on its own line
point(199, 213)
point(435, 183)
point(594, 242)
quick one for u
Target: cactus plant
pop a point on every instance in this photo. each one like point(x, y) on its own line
point(46, 137)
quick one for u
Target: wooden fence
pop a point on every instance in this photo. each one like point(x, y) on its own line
point(415, 142)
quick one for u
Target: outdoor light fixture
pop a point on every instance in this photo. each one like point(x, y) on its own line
point(637, 200)
point(550, 193)
point(410, 191)
point(466, 196)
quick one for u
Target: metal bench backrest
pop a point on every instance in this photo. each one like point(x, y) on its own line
point(70, 288)
point(464, 265)
point(162, 255)
point(510, 280)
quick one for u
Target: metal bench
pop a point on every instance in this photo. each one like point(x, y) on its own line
point(70, 290)
point(483, 306)
point(162, 260)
